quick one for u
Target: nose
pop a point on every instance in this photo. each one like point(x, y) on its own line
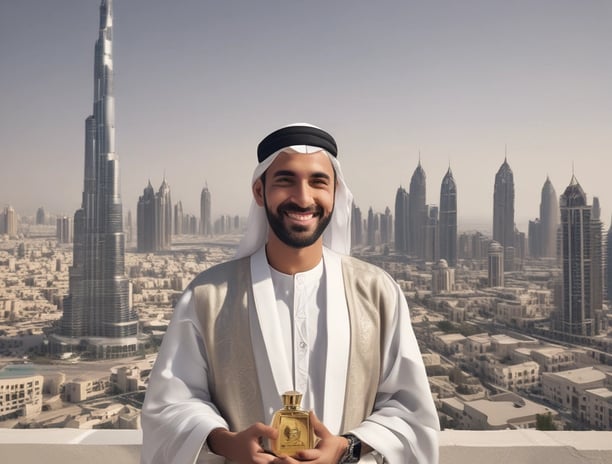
point(302, 194)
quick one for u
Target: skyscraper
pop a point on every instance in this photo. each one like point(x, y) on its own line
point(496, 264)
point(581, 263)
point(401, 220)
point(417, 212)
point(205, 213)
point(549, 221)
point(534, 232)
point(9, 222)
point(503, 213)
point(372, 229)
point(356, 226)
point(63, 231)
point(145, 220)
point(178, 218)
point(129, 228)
point(41, 217)
point(431, 242)
point(386, 221)
point(163, 217)
point(448, 219)
point(97, 314)
point(608, 277)
point(155, 219)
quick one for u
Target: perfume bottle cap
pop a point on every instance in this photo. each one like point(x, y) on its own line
point(292, 399)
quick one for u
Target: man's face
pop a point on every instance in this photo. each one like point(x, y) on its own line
point(298, 195)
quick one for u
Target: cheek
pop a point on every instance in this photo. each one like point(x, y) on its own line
point(327, 201)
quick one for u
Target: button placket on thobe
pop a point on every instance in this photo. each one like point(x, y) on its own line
point(301, 300)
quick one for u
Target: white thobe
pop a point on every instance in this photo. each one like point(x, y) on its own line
point(178, 413)
point(300, 299)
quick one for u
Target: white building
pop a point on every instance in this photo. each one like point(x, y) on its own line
point(567, 389)
point(21, 396)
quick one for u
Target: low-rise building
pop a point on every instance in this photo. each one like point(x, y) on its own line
point(21, 396)
point(519, 376)
point(599, 408)
point(80, 390)
point(566, 388)
point(449, 344)
point(502, 411)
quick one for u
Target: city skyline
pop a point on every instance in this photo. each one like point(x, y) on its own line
point(459, 85)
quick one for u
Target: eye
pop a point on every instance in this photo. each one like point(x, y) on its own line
point(320, 182)
point(283, 180)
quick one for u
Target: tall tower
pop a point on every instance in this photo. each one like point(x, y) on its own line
point(496, 265)
point(597, 276)
point(63, 232)
point(97, 311)
point(356, 226)
point(448, 219)
point(10, 222)
point(41, 217)
point(386, 221)
point(205, 213)
point(609, 264)
point(401, 220)
point(163, 217)
point(145, 218)
point(155, 219)
point(503, 213)
point(549, 221)
point(129, 228)
point(417, 212)
point(372, 228)
point(178, 219)
point(581, 263)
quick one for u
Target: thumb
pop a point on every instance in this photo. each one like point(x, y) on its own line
point(263, 430)
point(319, 428)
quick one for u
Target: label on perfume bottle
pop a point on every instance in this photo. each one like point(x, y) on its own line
point(293, 434)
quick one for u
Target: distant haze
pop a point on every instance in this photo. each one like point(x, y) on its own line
point(199, 83)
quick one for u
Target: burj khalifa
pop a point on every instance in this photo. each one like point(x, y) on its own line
point(97, 314)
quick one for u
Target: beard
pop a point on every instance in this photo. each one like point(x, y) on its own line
point(296, 236)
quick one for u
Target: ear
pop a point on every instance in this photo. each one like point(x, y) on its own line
point(258, 192)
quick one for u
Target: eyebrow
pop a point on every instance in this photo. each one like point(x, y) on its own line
point(287, 173)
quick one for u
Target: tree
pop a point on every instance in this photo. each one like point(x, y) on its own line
point(545, 422)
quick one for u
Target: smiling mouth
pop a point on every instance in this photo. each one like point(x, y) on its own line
point(300, 216)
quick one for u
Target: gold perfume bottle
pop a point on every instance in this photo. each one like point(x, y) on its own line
point(295, 432)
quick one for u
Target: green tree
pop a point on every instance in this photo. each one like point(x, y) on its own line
point(545, 422)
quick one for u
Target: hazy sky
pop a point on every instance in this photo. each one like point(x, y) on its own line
point(199, 83)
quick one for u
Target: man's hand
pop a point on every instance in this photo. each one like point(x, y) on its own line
point(243, 447)
point(329, 449)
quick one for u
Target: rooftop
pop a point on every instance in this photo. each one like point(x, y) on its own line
point(578, 376)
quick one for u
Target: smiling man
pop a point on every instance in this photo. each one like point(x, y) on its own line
point(293, 311)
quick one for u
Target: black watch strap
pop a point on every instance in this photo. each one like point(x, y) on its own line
point(353, 452)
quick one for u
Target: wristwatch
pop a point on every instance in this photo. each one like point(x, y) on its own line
point(353, 452)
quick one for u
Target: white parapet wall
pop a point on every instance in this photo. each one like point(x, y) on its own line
point(65, 446)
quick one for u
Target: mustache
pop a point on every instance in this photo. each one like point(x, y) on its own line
point(295, 208)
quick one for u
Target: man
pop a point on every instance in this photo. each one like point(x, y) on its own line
point(292, 312)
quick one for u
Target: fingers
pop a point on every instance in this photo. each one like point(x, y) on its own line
point(319, 428)
point(308, 455)
point(263, 430)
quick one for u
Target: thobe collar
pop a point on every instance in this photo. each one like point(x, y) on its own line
point(338, 338)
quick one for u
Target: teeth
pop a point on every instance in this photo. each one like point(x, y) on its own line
point(300, 217)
